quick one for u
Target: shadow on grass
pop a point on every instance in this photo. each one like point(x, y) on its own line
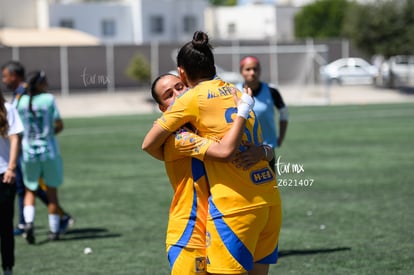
point(84, 234)
point(286, 253)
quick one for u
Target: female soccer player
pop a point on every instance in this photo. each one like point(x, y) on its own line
point(10, 128)
point(267, 99)
point(244, 208)
point(183, 153)
point(41, 155)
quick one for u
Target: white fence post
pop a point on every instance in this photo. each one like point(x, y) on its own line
point(15, 53)
point(345, 48)
point(235, 55)
point(64, 70)
point(110, 69)
point(154, 59)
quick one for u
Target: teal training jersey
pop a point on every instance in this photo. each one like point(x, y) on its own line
point(39, 141)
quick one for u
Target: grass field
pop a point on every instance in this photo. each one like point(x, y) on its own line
point(356, 218)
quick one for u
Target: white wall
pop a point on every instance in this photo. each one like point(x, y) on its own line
point(132, 18)
point(251, 22)
point(285, 23)
point(18, 14)
point(173, 12)
point(42, 14)
point(88, 17)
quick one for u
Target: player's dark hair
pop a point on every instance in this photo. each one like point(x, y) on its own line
point(33, 81)
point(154, 83)
point(14, 67)
point(196, 58)
point(4, 123)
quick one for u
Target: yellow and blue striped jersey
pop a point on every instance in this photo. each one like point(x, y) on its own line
point(210, 108)
point(189, 206)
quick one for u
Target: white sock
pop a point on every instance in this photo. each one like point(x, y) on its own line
point(54, 223)
point(29, 213)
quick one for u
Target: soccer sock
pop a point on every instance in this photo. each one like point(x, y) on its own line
point(54, 223)
point(29, 213)
point(61, 212)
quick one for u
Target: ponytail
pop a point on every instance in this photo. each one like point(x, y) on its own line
point(196, 58)
point(34, 80)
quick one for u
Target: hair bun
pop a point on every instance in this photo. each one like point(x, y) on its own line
point(200, 40)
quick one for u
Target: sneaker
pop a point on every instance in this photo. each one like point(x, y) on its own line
point(19, 230)
point(66, 222)
point(29, 233)
point(71, 221)
point(53, 236)
point(7, 271)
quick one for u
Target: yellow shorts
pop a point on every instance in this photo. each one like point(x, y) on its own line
point(236, 242)
point(191, 261)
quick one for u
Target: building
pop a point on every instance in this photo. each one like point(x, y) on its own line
point(114, 22)
point(109, 22)
point(32, 14)
point(132, 21)
point(255, 21)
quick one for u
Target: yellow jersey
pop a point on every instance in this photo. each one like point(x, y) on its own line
point(189, 206)
point(210, 108)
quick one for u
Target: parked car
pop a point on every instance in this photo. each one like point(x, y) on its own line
point(351, 70)
point(227, 76)
point(397, 71)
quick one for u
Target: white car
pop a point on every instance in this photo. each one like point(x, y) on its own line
point(349, 71)
point(397, 71)
point(227, 76)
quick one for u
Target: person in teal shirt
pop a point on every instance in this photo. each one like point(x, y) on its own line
point(40, 151)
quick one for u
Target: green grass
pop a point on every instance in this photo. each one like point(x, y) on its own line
point(360, 159)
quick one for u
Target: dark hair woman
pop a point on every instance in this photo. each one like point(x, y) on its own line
point(245, 207)
point(10, 129)
point(40, 151)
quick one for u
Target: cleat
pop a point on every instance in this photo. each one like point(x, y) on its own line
point(19, 230)
point(71, 221)
point(29, 233)
point(53, 236)
point(66, 222)
point(8, 271)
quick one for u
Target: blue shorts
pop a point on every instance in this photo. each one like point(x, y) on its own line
point(50, 170)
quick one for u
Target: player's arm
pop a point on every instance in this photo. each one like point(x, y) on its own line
point(154, 140)
point(57, 120)
point(282, 131)
point(58, 126)
point(193, 145)
point(180, 113)
point(226, 149)
point(10, 173)
point(252, 155)
point(283, 114)
point(190, 144)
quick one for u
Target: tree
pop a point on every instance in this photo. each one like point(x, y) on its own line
point(321, 19)
point(223, 2)
point(139, 69)
point(383, 27)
